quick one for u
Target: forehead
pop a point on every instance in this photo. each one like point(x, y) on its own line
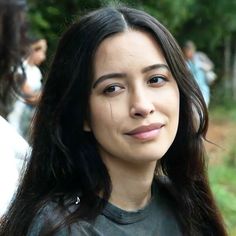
point(42, 44)
point(128, 48)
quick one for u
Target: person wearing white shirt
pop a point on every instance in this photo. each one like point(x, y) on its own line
point(13, 148)
point(23, 110)
point(13, 155)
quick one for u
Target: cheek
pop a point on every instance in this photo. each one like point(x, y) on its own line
point(170, 107)
point(105, 122)
point(174, 101)
point(101, 115)
point(169, 98)
point(174, 108)
point(107, 113)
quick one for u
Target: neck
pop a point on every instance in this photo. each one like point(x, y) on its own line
point(131, 185)
point(30, 61)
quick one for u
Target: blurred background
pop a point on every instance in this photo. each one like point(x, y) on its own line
point(211, 25)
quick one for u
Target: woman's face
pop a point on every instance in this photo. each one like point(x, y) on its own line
point(134, 101)
point(39, 50)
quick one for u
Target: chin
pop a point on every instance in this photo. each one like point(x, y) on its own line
point(148, 157)
point(152, 152)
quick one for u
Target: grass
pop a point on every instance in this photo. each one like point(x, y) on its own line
point(223, 183)
point(223, 175)
point(223, 109)
point(222, 113)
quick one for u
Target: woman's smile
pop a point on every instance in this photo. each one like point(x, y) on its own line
point(146, 132)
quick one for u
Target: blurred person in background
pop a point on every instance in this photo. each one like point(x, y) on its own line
point(201, 67)
point(13, 147)
point(205, 63)
point(24, 109)
point(116, 149)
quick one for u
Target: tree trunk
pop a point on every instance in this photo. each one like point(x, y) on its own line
point(227, 59)
point(234, 75)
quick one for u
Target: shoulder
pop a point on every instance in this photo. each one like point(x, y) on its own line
point(10, 137)
point(13, 145)
point(13, 152)
point(52, 216)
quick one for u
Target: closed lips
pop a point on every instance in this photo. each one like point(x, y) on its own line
point(144, 129)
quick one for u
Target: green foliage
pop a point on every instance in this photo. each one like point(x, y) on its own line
point(222, 106)
point(204, 21)
point(223, 183)
point(208, 23)
point(49, 19)
point(223, 175)
point(170, 13)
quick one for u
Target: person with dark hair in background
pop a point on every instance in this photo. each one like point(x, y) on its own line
point(116, 148)
point(12, 48)
point(23, 111)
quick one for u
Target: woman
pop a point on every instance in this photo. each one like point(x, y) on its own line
point(12, 46)
point(190, 54)
point(118, 137)
point(23, 111)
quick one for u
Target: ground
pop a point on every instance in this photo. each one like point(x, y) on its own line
point(222, 133)
point(222, 164)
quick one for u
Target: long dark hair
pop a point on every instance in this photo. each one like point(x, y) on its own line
point(65, 162)
point(13, 44)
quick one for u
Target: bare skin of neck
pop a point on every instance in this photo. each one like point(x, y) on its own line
point(131, 183)
point(30, 61)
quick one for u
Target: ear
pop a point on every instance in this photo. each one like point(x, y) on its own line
point(86, 127)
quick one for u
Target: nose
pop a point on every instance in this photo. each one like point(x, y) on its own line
point(141, 105)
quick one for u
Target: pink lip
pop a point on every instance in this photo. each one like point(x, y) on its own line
point(146, 132)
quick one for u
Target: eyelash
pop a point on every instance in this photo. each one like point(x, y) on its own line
point(164, 79)
point(106, 90)
point(114, 86)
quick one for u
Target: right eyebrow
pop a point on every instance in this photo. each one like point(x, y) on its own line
point(108, 76)
point(155, 66)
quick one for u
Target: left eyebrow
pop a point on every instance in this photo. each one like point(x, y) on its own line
point(155, 66)
point(108, 76)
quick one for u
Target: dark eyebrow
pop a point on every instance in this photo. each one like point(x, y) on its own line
point(108, 76)
point(155, 66)
point(122, 75)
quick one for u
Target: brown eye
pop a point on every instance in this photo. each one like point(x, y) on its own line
point(112, 89)
point(157, 80)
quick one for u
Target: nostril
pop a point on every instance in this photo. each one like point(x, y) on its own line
point(137, 114)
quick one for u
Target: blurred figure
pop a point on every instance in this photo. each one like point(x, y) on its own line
point(12, 49)
point(23, 111)
point(204, 62)
point(201, 67)
point(12, 45)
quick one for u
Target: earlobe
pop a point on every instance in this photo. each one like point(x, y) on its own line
point(86, 127)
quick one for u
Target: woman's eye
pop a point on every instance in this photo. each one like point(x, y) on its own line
point(112, 89)
point(157, 80)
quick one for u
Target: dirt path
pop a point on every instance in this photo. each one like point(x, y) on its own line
point(222, 133)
